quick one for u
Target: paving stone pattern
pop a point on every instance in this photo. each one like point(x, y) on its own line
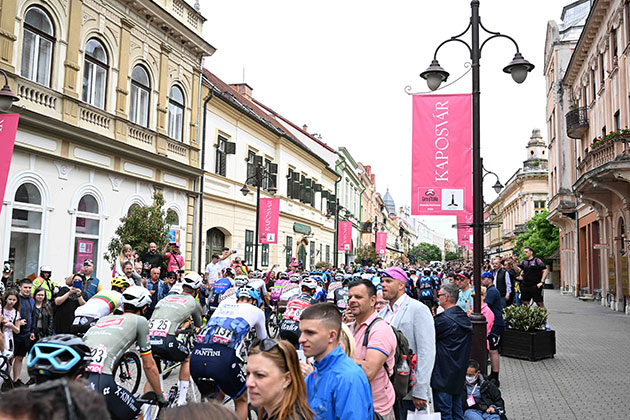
point(589, 377)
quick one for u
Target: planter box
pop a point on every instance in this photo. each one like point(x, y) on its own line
point(530, 346)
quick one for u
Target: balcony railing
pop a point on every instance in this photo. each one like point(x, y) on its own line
point(577, 122)
point(597, 157)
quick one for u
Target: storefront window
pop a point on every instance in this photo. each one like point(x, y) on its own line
point(26, 230)
point(87, 231)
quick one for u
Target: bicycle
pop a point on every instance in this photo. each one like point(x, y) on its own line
point(128, 371)
point(273, 325)
point(150, 398)
point(6, 383)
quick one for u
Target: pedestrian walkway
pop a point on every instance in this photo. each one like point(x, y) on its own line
point(589, 376)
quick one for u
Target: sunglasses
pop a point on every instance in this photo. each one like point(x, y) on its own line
point(59, 383)
point(268, 344)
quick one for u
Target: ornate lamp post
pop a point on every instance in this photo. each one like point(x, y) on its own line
point(258, 177)
point(435, 75)
point(7, 97)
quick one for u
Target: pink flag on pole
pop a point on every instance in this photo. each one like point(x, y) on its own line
point(464, 234)
point(381, 243)
point(344, 238)
point(8, 129)
point(441, 170)
point(268, 220)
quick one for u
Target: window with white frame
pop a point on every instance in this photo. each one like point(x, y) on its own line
point(176, 113)
point(26, 230)
point(139, 96)
point(87, 231)
point(37, 46)
point(95, 74)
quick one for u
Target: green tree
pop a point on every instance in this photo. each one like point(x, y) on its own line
point(451, 255)
point(367, 253)
point(142, 226)
point(426, 252)
point(541, 236)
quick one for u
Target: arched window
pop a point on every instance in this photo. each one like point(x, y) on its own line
point(37, 46)
point(139, 96)
point(26, 230)
point(95, 74)
point(132, 208)
point(172, 218)
point(87, 231)
point(176, 113)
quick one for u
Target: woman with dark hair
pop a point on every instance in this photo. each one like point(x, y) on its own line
point(275, 383)
point(11, 321)
point(43, 314)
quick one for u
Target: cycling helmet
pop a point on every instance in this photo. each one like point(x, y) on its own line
point(295, 278)
point(309, 284)
point(283, 276)
point(193, 280)
point(318, 279)
point(347, 278)
point(257, 274)
point(366, 276)
point(137, 296)
point(120, 282)
point(230, 272)
point(339, 277)
point(57, 356)
point(249, 292)
point(305, 275)
point(241, 280)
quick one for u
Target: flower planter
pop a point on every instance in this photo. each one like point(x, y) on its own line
point(532, 346)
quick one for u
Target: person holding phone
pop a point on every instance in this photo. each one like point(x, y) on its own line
point(67, 300)
point(175, 260)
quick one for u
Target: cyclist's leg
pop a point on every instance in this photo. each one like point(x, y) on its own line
point(120, 403)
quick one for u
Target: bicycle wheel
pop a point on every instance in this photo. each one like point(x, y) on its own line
point(273, 326)
point(128, 372)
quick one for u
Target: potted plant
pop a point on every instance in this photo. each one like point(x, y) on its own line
point(525, 336)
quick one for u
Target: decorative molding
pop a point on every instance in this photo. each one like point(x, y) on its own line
point(73, 66)
point(90, 156)
point(63, 169)
point(138, 170)
point(8, 35)
point(36, 141)
point(126, 23)
point(122, 90)
point(166, 49)
point(116, 181)
point(177, 180)
point(602, 46)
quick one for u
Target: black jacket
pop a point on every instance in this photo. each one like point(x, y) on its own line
point(47, 321)
point(453, 336)
point(490, 395)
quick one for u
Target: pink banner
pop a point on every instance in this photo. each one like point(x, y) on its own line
point(268, 220)
point(381, 243)
point(344, 237)
point(85, 251)
point(8, 128)
point(441, 169)
point(465, 234)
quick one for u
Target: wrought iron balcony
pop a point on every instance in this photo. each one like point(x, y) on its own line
point(577, 122)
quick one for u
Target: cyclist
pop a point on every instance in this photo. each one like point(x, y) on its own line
point(341, 294)
point(214, 355)
point(427, 289)
point(218, 289)
point(58, 356)
point(258, 283)
point(230, 294)
point(109, 339)
point(337, 283)
point(169, 315)
point(320, 293)
point(101, 304)
point(278, 287)
point(290, 325)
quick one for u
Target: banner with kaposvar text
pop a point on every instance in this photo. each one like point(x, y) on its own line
point(381, 243)
point(268, 217)
point(344, 238)
point(441, 171)
point(8, 129)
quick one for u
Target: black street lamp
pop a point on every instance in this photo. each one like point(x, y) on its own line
point(497, 187)
point(435, 75)
point(7, 97)
point(258, 177)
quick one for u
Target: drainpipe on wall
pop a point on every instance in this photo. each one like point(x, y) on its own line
point(197, 201)
point(203, 177)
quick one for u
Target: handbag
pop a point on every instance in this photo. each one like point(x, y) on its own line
point(424, 415)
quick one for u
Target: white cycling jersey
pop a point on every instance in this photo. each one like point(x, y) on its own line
point(230, 324)
point(101, 304)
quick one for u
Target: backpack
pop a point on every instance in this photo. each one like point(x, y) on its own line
point(402, 383)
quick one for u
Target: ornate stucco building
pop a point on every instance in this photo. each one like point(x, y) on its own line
point(109, 98)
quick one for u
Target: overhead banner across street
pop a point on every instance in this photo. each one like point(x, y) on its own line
point(268, 220)
point(441, 171)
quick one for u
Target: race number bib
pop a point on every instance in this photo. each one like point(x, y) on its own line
point(98, 354)
point(222, 336)
point(159, 327)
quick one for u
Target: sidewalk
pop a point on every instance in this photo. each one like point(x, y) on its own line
point(589, 377)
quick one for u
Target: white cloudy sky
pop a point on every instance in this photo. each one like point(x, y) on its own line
point(341, 68)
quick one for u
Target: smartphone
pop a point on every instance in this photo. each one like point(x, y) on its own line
point(77, 284)
point(301, 356)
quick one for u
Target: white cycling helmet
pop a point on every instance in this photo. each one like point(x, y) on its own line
point(45, 269)
point(193, 280)
point(137, 296)
point(257, 274)
point(309, 284)
point(295, 278)
point(241, 280)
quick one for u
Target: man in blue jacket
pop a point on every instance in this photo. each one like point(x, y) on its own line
point(27, 328)
point(337, 388)
point(453, 337)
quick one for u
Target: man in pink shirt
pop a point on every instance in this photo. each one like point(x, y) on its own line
point(376, 355)
point(175, 260)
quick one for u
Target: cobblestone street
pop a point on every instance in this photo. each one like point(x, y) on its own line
point(587, 379)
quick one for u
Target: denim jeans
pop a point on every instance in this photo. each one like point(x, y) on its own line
point(472, 414)
point(449, 405)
